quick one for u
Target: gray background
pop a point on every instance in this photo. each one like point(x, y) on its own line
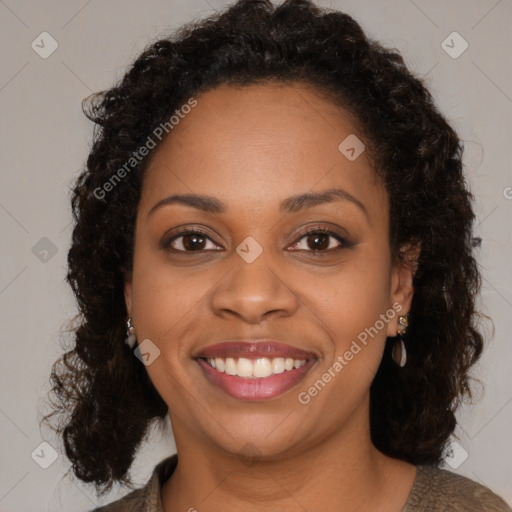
point(44, 141)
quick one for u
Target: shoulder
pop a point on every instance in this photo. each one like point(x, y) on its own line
point(132, 502)
point(439, 489)
point(146, 498)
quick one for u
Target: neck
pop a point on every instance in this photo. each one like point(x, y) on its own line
point(343, 473)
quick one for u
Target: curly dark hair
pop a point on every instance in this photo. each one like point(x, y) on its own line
point(98, 384)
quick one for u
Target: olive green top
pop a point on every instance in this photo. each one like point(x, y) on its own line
point(433, 490)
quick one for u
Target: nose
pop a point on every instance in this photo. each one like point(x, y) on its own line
point(254, 292)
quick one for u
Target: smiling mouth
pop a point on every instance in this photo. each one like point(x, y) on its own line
point(254, 368)
point(254, 379)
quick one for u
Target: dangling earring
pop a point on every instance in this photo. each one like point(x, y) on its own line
point(399, 353)
point(130, 334)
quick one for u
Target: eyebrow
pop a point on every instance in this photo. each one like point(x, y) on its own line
point(292, 204)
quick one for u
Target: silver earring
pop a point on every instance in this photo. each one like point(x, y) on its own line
point(130, 334)
point(399, 353)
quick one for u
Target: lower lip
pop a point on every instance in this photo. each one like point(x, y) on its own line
point(255, 388)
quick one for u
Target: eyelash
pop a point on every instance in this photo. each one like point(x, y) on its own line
point(344, 243)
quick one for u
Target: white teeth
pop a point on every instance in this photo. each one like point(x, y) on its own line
point(230, 367)
point(278, 365)
point(244, 367)
point(255, 368)
point(262, 367)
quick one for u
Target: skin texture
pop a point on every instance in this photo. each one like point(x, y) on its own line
point(252, 148)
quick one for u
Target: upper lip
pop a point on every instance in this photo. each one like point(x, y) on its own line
point(253, 349)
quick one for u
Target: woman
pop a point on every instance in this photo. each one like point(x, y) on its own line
point(273, 247)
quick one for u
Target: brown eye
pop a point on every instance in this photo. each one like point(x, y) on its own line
point(193, 241)
point(320, 241)
point(190, 241)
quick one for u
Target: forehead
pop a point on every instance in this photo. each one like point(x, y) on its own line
point(264, 140)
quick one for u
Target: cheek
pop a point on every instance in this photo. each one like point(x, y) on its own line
point(351, 306)
point(165, 300)
point(165, 306)
point(354, 296)
point(160, 297)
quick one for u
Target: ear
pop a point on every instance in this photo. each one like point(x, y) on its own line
point(128, 292)
point(402, 290)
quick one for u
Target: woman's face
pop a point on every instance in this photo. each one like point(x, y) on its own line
point(250, 167)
